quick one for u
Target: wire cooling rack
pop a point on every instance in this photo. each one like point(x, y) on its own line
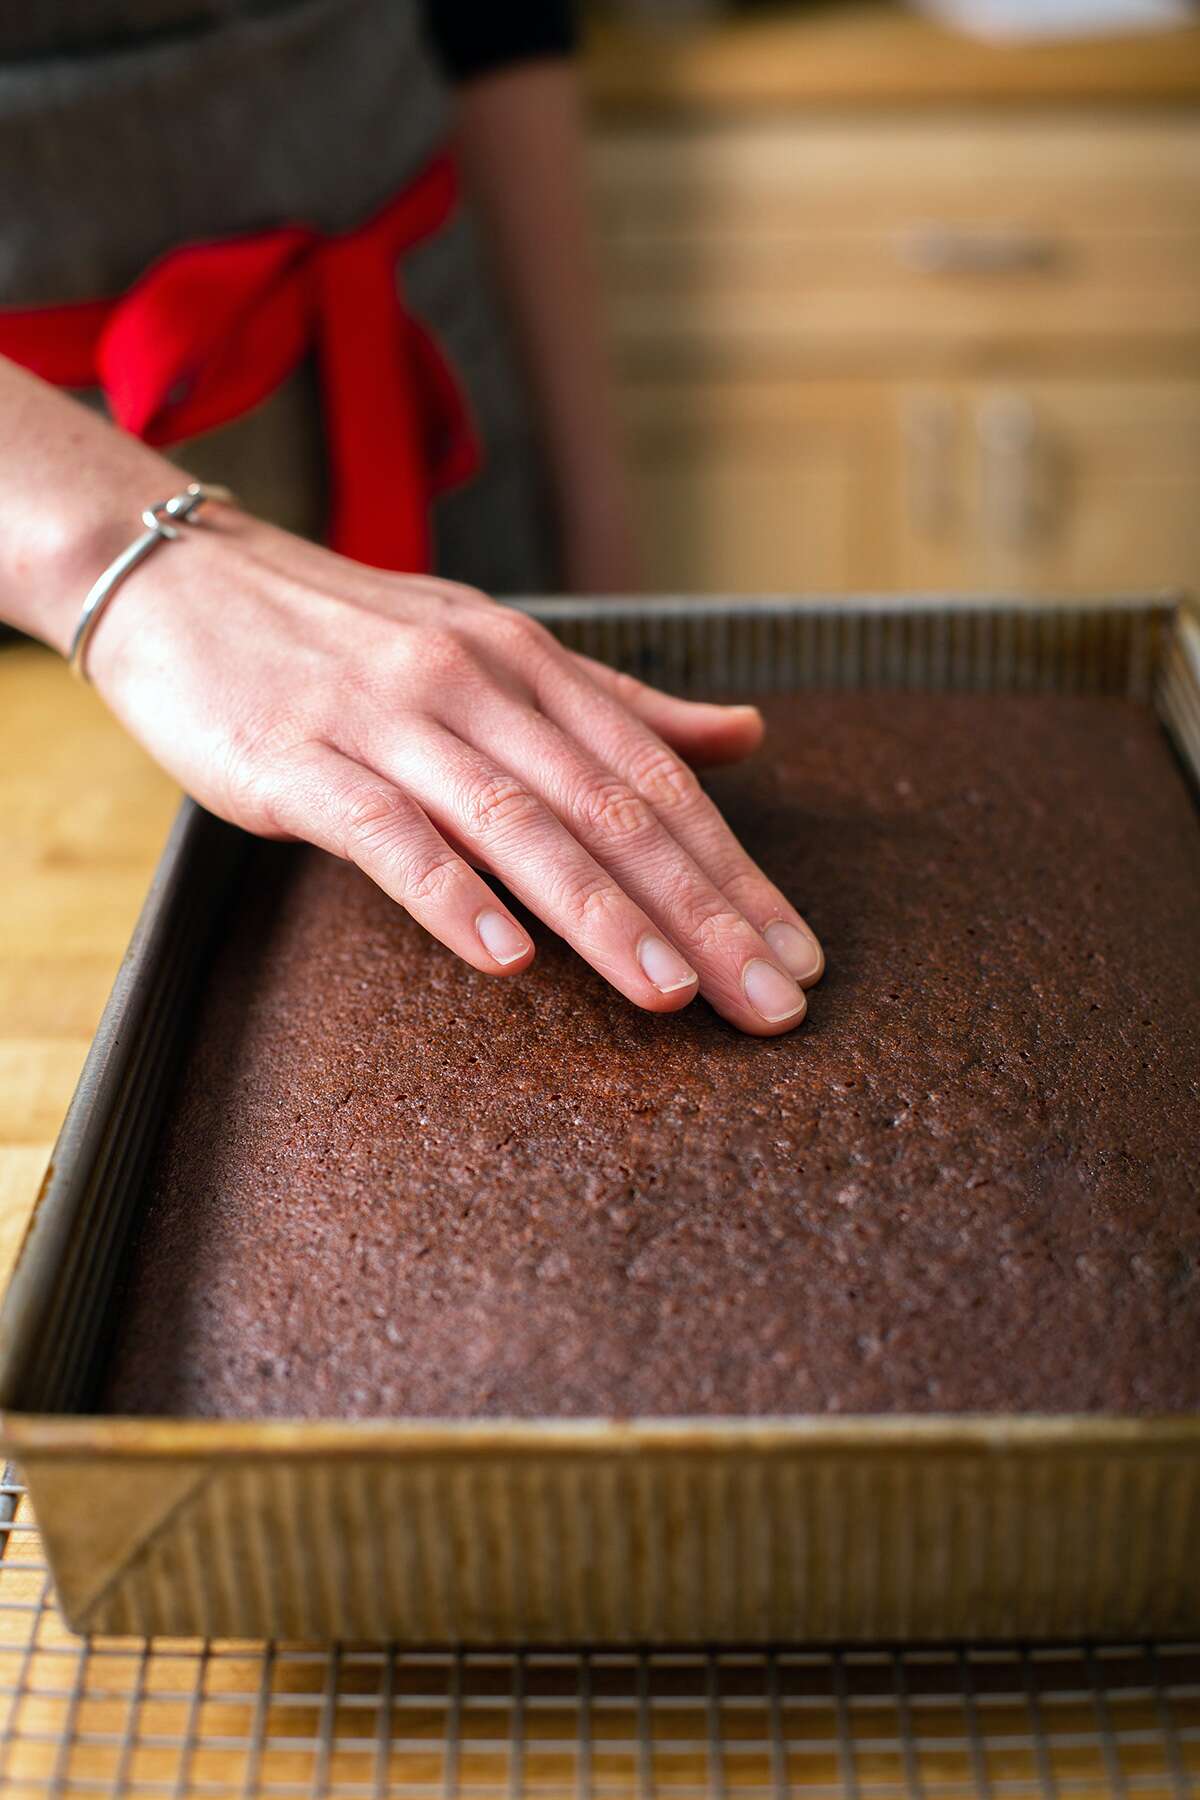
point(171, 1718)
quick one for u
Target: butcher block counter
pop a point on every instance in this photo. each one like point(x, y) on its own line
point(874, 53)
point(83, 816)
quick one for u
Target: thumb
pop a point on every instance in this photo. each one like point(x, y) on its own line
point(702, 733)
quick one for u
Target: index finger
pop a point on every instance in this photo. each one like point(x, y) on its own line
point(705, 734)
point(589, 709)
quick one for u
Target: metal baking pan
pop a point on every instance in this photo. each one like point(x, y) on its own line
point(600, 1531)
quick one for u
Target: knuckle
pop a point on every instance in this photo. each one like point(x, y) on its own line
point(663, 780)
point(456, 593)
point(253, 778)
point(590, 901)
point(376, 820)
point(529, 646)
point(610, 809)
point(256, 796)
point(627, 688)
point(498, 805)
point(713, 928)
point(378, 827)
point(518, 628)
point(260, 735)
point(445, 653)
point(428, 878)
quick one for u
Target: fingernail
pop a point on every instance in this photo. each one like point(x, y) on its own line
point(770, 992)
point(503, 941)
point(798, 953)
point(664, 966)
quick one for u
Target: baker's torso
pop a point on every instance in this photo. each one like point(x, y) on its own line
point(129, 127)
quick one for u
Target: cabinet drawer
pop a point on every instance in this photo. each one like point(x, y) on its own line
point(879, 240)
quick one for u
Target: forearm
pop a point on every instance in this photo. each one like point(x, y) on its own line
point(521, 148)
point(72, 489)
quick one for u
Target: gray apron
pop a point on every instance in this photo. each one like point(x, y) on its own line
point(129, 127)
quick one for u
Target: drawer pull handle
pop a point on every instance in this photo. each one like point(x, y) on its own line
point(1017, 472)
point(975, 250)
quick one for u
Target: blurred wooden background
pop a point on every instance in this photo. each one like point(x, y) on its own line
point(895, 310)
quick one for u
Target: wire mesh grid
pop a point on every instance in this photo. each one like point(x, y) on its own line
point(169, 1718)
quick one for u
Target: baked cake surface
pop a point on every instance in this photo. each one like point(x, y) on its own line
point(391, 1186)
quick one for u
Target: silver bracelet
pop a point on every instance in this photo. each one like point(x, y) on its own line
point(158, 522)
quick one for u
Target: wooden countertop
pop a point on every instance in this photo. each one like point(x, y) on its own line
point(870, 53)
point(83, 816)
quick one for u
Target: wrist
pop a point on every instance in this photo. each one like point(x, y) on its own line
point(72, 490)
point(161, 523)
point(69, 548)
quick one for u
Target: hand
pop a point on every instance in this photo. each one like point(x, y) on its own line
point(417, 728)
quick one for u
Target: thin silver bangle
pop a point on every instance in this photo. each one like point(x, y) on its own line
point(158, 522)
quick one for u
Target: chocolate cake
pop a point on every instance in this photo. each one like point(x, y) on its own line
point(391, 1186)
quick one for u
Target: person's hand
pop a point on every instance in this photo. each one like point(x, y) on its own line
point(417, 728)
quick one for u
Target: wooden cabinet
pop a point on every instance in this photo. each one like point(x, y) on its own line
point(759, 486)
point(911, 347)
point(1044, 485)
point(900, 239)
point(1037, 485)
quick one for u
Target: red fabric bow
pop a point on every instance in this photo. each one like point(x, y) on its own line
point(212, 329)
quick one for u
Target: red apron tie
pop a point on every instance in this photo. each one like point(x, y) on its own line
point(210, 330)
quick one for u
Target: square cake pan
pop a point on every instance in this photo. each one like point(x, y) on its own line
point(594, 1531)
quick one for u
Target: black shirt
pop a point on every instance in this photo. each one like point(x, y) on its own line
point(472, 37)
